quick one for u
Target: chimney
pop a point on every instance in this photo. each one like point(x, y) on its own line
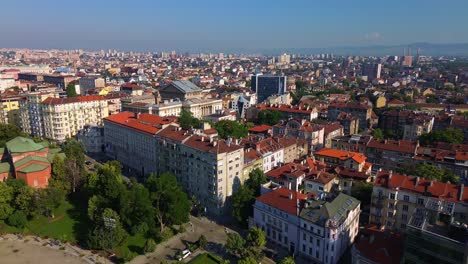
point(460, 193)
point(215, 142)
point(290, 196)
point(416, 181)
point(202, 139)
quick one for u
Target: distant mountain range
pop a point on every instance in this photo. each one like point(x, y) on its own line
point(426, 49)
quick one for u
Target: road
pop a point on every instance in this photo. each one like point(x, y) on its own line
point(215, 234)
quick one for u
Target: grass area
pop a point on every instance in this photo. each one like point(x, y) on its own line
point(206, 258)
point(134, 244)
point(61, 227)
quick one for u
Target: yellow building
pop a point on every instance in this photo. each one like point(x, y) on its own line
point(380, 102)
point(9, 113)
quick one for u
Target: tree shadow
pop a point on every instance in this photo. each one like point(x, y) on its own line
point(137, 249)
point(79, 214)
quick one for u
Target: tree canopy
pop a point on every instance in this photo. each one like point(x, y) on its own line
point(244, 198)
point(8, 132)
point(228, 128)
point(432, 172)
point(71, 90)
point(269, 117)
point(448, 135)
point(187, 121)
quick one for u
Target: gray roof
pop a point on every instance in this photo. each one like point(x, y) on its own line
point(186, 86)
point(320, 211)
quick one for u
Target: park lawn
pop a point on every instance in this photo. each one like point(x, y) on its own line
point(206, 258)
point(60, 227)
point(134, 244)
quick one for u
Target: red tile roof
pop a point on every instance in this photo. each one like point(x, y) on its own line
point(393, 145)
point(70, 100)
point(144, 122)
point(287, 108)
point(440, 190)
point(279, 199)
point(380, 246)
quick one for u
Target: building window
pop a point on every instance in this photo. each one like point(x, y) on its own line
point(317, 254)
point(303, 248)
point(404, 217)
point(310, 251)
point(406, 198)
point(405, 208)
point(420, 201)
point(392, 196)
point(304, 237)
point(402, 226)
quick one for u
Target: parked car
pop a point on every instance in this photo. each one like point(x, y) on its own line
point(184, 254)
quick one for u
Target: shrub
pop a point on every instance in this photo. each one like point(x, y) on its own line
point(150, 245)
point(17, 219)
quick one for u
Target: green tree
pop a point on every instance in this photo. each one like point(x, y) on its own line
point(59, 174)
point(256, 238)
point(378, 133)
point(288, 260)
point(242, 202)
point(17, 219)
point(137, 211)
point(187, 121)
point(8, 132)
point(71, 90)
point(256, 178)
point(235, 244)
point(248, 260)
point(448, 135)
point(74, 162)
point(170, 202)
point(150, 245)
point(228, 128)
point(432, 172)
point(269, 117)
point(23, 199)
point(48, 199)
point(107, 232)
point(6, 196)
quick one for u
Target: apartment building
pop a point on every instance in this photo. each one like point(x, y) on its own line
point(290, 111)
point(271, 151)
point(313, 134)
point(207, 168)
point(64, 117)
point(390, 154)
point(318, 229)
point(31, 118)
point(360, 110)
point(433, 215)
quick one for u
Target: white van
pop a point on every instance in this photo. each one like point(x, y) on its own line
point(185, 253)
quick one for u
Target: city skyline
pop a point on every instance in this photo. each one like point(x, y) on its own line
point(242, 26)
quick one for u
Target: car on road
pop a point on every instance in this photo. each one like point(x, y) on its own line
point(183, 255)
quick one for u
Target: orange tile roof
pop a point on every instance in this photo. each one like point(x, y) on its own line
point(260, 128)
point(341, 154)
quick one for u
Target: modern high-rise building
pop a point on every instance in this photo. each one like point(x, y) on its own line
point(265, 85)
point(372, 71)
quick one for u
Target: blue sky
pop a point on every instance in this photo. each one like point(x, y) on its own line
point(194, 25)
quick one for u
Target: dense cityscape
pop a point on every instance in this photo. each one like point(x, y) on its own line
point(120, 156)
